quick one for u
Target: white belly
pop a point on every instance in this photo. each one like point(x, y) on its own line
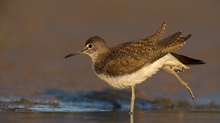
point(141, 75)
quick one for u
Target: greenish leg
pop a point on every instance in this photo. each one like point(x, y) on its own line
point(131, 118)
point(181, 81)
point(132, 100)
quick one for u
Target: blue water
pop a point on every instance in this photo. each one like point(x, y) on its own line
point(111, 117)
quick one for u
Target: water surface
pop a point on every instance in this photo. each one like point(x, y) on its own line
point(111, 117)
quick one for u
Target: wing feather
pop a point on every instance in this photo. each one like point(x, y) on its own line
point(131, 56)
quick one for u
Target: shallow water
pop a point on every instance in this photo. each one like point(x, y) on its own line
point(111, 117)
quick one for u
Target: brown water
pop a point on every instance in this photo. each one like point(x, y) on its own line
point(36, 35)
point(111, 117)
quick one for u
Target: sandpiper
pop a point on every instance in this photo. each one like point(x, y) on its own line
point(131, 63)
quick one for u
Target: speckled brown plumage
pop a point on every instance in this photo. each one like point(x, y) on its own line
point(131, 56)
point(131, 63)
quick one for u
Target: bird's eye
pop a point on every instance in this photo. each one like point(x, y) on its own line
point(90, 45)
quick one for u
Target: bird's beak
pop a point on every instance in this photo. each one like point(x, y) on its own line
point(76, 53)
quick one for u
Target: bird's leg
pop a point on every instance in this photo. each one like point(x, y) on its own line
point(181, 81)
point(131, 118)
point(132, 100)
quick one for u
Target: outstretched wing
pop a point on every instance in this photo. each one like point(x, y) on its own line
point(158, 34)
point(131, 56)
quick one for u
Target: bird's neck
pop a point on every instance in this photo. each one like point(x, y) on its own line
point(100, 55)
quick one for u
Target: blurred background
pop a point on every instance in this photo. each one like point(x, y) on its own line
point(35, 35)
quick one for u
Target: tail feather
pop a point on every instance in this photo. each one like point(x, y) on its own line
point(187, 60)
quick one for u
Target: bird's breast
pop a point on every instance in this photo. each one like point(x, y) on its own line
point(127, 80)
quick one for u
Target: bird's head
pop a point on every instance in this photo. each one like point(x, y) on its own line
point(94, 47)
